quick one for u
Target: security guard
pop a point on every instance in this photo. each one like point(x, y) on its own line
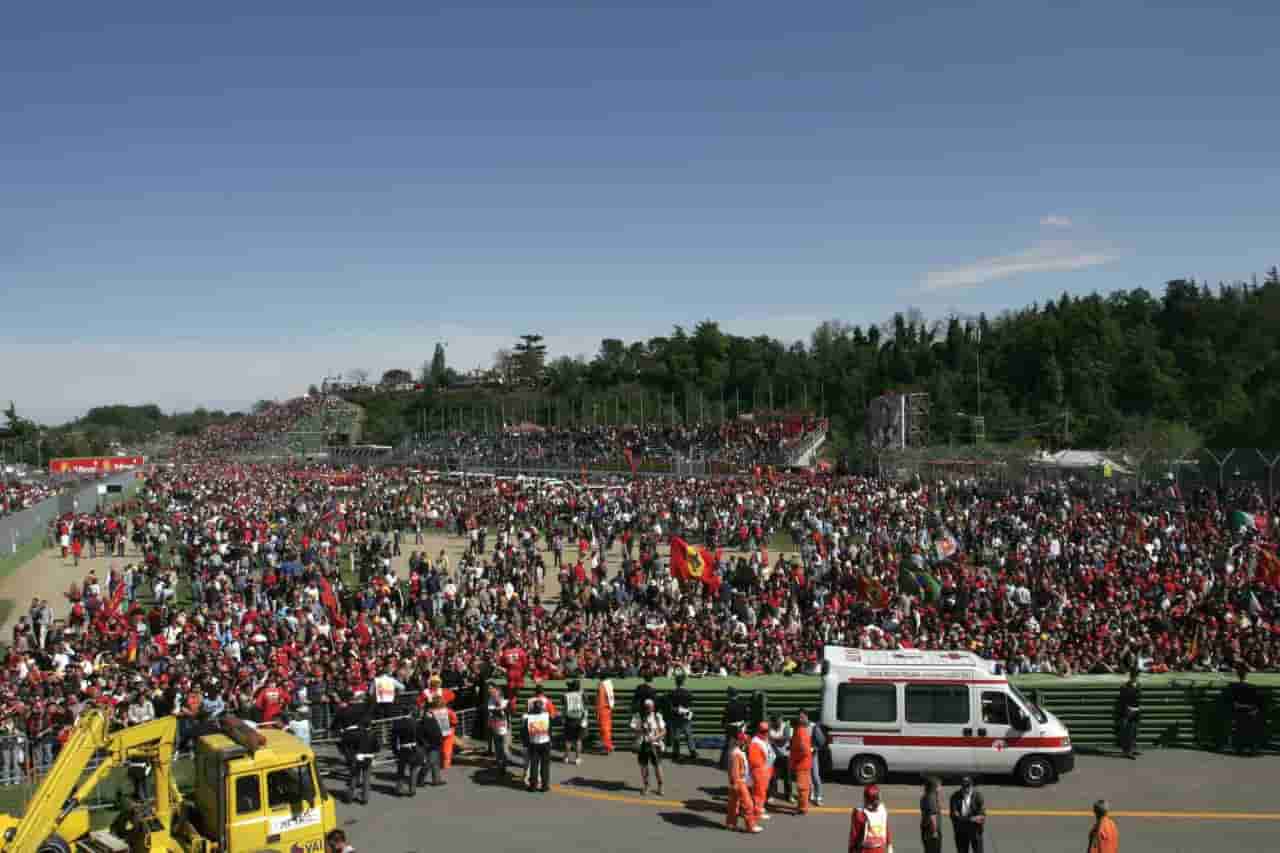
point(404, 740)
point(1127, 715)
point(360, 744)
point(682, 720)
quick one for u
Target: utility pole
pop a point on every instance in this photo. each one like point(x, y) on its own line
point(979, 358)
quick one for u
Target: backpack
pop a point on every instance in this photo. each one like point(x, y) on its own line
point(574, 709)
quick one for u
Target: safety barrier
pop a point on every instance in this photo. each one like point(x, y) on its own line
point(1189, 716)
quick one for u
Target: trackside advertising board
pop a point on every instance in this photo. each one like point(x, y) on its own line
point(95, 464)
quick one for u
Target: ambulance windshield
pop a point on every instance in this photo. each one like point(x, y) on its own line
point(1027, 703)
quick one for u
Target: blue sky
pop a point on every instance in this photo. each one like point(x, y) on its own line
point(206, 203)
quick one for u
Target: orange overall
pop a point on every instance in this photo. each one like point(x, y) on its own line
point(740, 804)
point(801, 763)
point(604, 716)
point(448, 721)
point(758, 757)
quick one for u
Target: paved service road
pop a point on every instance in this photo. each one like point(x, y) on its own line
point(1166, 801)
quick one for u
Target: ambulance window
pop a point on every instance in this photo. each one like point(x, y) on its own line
point(939, 704)
point(248, 795)
point(995, 708)
point(867, 703)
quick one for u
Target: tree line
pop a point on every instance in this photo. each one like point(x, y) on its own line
point(1196, 363)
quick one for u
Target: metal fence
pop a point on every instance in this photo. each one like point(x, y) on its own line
point(32, 524)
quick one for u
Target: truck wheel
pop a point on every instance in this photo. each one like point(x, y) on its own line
point(54, 844)
point(867, 769)
point(1035, 771)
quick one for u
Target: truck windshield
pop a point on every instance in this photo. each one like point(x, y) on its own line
point(1027, 703)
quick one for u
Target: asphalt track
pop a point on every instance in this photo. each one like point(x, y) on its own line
point(1166, 801)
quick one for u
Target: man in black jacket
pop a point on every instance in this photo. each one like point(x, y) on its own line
point(404, 740)
point(968, 817)
point(1128, 714)
point(681, 715)
point(1248, 713)
point(734, 720)
point(431, 742)
point(360, 743)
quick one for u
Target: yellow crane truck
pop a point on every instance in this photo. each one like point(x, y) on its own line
point(256, 790)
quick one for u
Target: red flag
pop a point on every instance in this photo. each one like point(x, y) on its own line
point(689, 562)
point(631, 459)
point(328, 599)
point(1268, 567)
point(117, 597)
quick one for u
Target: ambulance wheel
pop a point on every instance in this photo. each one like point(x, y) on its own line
point(54, 844)
point(867, 769)
point(1035, 771)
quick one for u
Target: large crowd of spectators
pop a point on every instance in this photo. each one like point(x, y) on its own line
point(245, 581)
point(17, 495)
point(741, 443)
point(267, 429)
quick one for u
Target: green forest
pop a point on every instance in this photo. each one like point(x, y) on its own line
point(1080, 371)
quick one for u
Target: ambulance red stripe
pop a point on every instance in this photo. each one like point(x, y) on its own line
point(974, 742)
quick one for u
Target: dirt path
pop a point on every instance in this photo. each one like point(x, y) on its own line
point(48, 576)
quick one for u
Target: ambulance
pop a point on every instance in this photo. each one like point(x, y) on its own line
point(933, 712)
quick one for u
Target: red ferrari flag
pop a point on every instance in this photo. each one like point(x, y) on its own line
point(689, 562)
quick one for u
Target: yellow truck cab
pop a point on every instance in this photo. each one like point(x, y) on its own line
point(256, 791)
point(268, 798)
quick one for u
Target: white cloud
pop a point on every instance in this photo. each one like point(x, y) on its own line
point(1055, 221)
point(1045, 256)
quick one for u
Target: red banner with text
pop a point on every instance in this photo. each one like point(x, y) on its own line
point(95, 464)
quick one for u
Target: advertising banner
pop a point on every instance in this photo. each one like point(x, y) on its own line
point(95, 464)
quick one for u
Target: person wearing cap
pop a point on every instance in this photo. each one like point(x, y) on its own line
point(968, 817)
point(869, 830)
point(740, 802)
point(438, 700)
point(651, 734)
point(760, 758)
point(1103, 835)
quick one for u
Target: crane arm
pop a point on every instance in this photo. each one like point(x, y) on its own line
point(58, 794)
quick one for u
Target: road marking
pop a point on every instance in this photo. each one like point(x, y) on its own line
point(838, 810)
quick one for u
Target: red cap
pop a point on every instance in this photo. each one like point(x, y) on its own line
point(871, 793)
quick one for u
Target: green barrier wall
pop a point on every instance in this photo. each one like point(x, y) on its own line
point(1190, 716)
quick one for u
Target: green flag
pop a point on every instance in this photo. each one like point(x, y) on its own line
point(907, 583)
point(932, 588)
point(1242, 521)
